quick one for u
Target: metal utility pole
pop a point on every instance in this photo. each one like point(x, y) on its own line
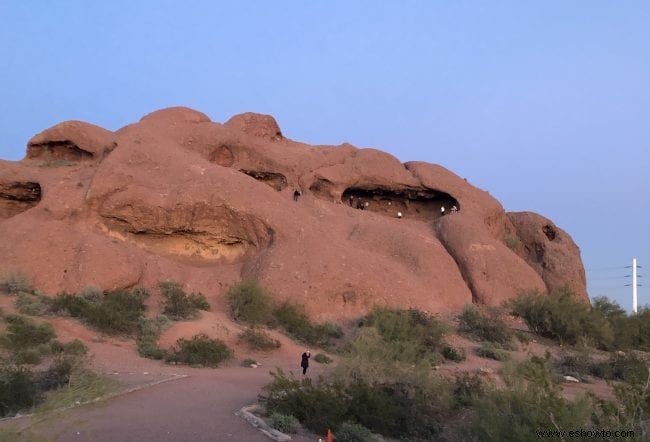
point(634, 298)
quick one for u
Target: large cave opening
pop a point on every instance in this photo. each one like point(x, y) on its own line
point(16, 197)
point(421, 204)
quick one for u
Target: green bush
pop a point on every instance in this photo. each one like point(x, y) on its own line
point(564, 318)
point(69, 304)
point(630, 332)
point(178, 305)
point(75, 348)
point(249, 303)
point(285, 423)
point(57, 375)
point(199, 350)
point(296, 323)
point(485, 325)
point(490, 351)
point(257, 339)
point(32, 304)
point(453, 354)
point(149, 332)
point(23, 333)
point(397, 409)
point(116, 312)
point(322, 359)
point(199, 301)
point(13, 282)
point(29, 356)
point(352, 432)
point(531, 401)
point(468, 387)
point(522, 337)
point(628, 368)
point(18, 390)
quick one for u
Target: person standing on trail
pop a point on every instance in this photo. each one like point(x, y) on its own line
point(442, 210)
point(304, 363)
point(296, 195)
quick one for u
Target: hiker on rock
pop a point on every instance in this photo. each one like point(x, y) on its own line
point(296, 195)
point(442, 210)
point(304, 363)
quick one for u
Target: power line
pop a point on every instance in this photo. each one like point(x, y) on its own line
point(607, 268)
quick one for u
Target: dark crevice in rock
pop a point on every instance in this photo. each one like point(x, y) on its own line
point(423, 204)
point(58, 150)
point(17, 197)
point(273, 179)
point(549, 231)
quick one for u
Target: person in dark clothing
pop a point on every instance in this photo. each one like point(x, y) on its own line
point(360, 204)
point(296, 195)
point(304, 363)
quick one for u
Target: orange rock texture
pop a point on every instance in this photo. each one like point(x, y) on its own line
point(338, 229)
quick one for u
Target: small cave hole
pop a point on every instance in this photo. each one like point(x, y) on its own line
point(422, 204)
point(17, 197)
point(273, 179)
point(550, 232)
point(64, 150)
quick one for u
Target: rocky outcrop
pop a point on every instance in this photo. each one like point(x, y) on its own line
point(550, 251)
point(176, 196)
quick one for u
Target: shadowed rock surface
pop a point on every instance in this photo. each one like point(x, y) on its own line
point(176, 196)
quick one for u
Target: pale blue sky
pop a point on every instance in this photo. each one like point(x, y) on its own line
point(544, 104)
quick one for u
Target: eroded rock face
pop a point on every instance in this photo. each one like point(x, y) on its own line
point(550, 251)
point(335, 228)
point(71, 141)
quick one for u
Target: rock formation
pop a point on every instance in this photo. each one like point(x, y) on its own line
point(176, 196)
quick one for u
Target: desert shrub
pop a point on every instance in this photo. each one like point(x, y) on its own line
point(199, 301)
point(57, 375)
point(248, 362)
point(522, 337)
point(296, 323)
point(178, 305)
point(468, 387)
point(18, 389)
point(32, 304)
point(564, 318)
point(490, 351)
point(13, 282)
point(75, 348)
point(400, 408)
point(69, 304)
point(353, 432)
point(23, 333)
point(148, 334)
point(531, 401)
point(284, 422)
point(317, 406)
point(578, 365)
point(28, 356)
point(199, 350)
point(485, 325)
point(452, 353)
point(249, 303)
point(257, 339)
point(630, 331)
point(628, 368)
point(322, 359)
point(91, 293)
point(118, 312)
